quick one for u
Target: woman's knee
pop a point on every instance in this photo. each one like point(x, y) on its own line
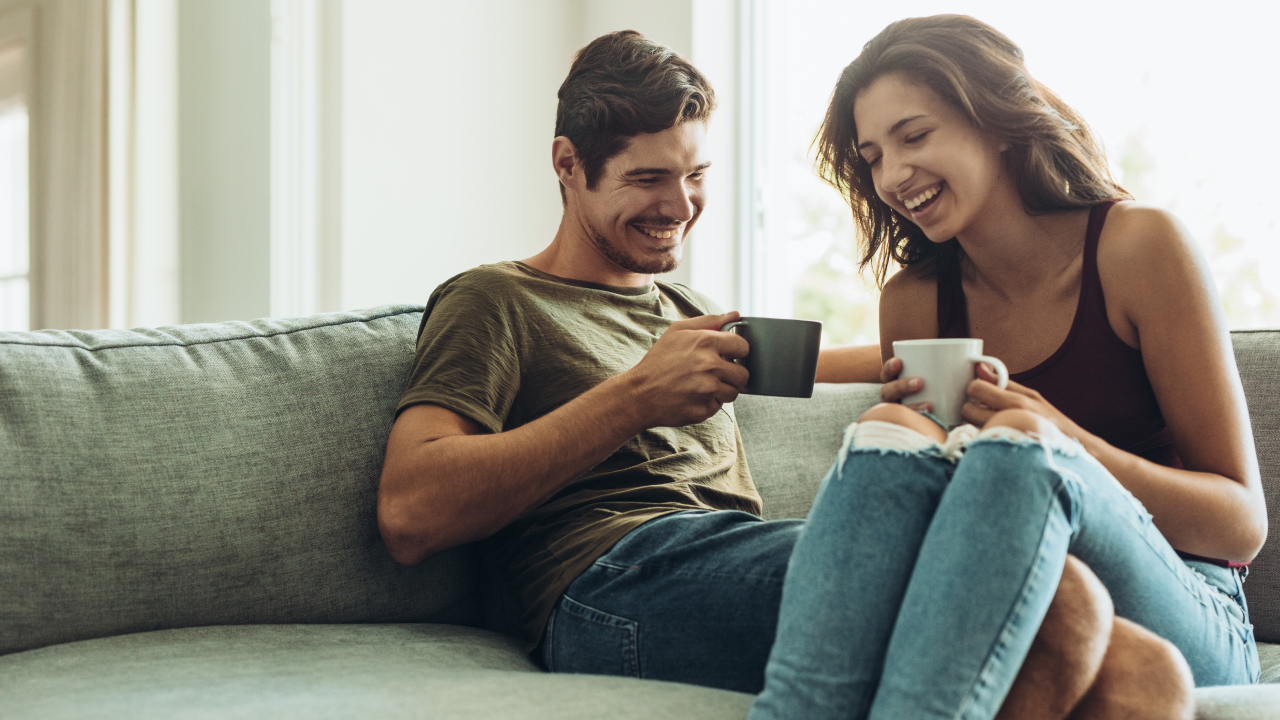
point(906, 417)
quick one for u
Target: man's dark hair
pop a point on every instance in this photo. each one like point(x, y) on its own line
point(621, 85)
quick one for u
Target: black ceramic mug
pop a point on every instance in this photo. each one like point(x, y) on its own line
point(784, 355)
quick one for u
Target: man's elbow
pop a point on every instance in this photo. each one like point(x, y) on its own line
point(406, 541)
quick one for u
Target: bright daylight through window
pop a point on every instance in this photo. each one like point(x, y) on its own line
point(1181, 98)
point(14, 285)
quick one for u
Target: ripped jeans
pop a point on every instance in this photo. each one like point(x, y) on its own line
point(918, 582)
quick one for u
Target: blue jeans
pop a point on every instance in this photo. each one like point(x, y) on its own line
point(688, 597)
point(918, 583)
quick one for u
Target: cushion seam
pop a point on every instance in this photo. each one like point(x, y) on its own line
point(209, 342)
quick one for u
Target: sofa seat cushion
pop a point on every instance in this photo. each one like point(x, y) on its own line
point(1256, 702)
point(327, 671)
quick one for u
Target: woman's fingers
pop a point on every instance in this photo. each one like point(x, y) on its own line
point(996, 398)
point(894, 390)
point(890, 369)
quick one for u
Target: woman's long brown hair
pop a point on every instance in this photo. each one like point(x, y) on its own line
point(1053, 157)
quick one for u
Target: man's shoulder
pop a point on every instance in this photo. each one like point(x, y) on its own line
point(487, 286)
point(501, 276)
point(697, 300)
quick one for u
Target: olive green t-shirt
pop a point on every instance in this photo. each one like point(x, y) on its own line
point(504, 345)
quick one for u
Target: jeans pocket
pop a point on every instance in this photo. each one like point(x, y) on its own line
point(582, 639)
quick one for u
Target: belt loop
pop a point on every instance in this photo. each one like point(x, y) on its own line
point(1243, 572)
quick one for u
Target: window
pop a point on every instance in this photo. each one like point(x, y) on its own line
point(1180, 97)
point(15, 285)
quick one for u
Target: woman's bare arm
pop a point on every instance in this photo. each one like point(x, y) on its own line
point(1162, 300)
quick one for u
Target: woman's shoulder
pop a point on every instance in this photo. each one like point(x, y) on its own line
point(909, 303)
point(912, 280)
point(1144, 253)
point(1137, 232)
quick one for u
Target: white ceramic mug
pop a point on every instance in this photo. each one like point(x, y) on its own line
point(947, 366)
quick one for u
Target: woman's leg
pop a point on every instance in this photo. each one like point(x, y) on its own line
point(850, 568)
point(991, 559)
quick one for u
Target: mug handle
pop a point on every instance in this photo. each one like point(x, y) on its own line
point(1002, 372)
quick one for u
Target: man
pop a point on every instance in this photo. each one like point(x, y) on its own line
point(573, 415)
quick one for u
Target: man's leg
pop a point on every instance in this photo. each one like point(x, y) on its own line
point(1087, 664)
point(1068, 651)
point(689, 597)
point(1143, 677)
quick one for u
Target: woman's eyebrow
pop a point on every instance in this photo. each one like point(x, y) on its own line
point(896, 127)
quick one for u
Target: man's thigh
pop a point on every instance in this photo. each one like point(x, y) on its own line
point(689, 597)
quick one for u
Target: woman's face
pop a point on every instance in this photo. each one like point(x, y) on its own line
point(927, 161)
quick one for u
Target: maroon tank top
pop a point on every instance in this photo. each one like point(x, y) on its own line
point(1094, 378)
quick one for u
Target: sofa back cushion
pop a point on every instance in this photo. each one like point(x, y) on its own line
point(205, 475)
point(791, 444)
point(1258, 357)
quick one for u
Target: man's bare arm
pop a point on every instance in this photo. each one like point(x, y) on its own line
point(849, 364)
point(445, 482)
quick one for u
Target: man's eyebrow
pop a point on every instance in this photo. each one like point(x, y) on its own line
point(660, 171)
point(896, 127)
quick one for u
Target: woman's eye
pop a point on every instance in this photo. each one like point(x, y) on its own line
point(917, 136)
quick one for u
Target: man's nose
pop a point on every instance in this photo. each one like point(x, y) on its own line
point(681, 204)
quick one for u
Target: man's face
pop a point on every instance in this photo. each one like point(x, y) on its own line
point(647, 199)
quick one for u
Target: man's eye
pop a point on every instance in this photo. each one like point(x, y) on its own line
point(696, 176)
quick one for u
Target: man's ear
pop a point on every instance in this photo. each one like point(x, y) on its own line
point(564, 159)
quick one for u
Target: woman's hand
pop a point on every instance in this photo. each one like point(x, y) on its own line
point(987, 399)
point(896, 388)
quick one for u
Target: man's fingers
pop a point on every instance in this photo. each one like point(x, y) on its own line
point(726, 394)
point(731, 345)
point(732, 374)
point(705, 322)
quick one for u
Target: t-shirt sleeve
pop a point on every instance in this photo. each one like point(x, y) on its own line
point(467, 359)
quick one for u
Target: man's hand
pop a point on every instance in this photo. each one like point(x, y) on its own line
point(688, 374)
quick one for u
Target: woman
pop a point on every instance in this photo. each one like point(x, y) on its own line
point(928, 560)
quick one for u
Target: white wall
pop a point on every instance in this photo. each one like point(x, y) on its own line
point(448, 115)
point(224, 85)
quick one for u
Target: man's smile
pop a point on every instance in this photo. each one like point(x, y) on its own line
point(661, 234)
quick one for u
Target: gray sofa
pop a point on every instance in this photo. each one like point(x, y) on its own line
point(187, 529)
